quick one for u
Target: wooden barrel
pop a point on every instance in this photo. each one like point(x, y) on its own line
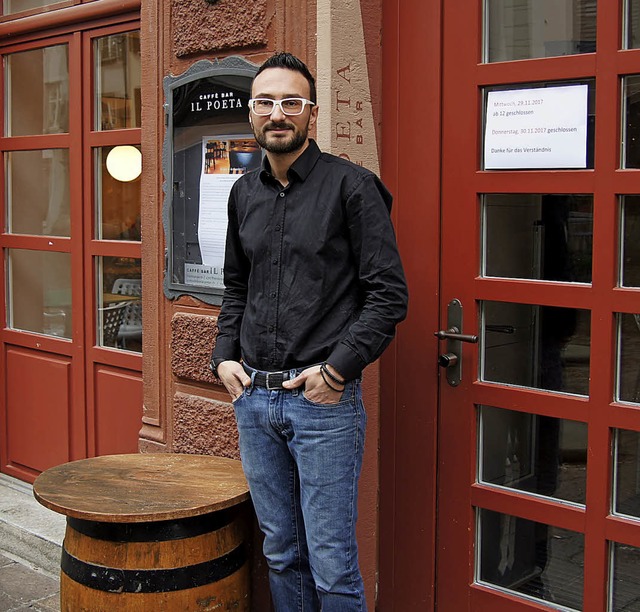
point(196, 563)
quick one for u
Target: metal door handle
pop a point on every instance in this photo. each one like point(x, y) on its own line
point(453, 333)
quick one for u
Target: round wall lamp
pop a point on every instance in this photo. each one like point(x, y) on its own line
point(124, 163)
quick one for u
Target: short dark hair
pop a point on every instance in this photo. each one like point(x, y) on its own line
point(290, 62)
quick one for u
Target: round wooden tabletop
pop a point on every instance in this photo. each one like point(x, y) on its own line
point(142, 487)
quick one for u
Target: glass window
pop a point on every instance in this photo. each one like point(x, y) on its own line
point(543, 347)
point(624, 586)
point(117, 193)
point(532, 453)
point(631, 126)
point(628, 362)
point(631, 24)
point(530, 559)
point(39, 298)
point(530, 131)
point(117, 85)
point(629, 243)
point(18, 6)
point(119, 317)
point(526, 29)
point(38, 192)
point(626, 473)
point(538, 236)
point(37, 91)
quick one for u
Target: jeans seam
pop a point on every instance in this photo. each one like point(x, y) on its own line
point(296, 529)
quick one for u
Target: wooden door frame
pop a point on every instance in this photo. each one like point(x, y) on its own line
point(411, 56)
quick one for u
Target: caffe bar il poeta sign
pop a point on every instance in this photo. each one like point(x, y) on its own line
point(543, 127)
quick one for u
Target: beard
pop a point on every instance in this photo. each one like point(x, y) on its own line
point(288, 144)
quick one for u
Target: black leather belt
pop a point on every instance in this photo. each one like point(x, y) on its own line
point(269, 380)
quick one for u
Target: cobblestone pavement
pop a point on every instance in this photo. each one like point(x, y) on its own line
point(25, 588)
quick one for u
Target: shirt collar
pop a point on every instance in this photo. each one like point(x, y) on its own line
point(300, 169)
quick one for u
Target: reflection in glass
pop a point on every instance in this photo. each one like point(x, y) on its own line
point(631, 119)
point(632, 24)
point(628, 379)
point(38, 192)
point(119, 317)
point(525, 29)
point(629, 243)
point(624, 585)
point(37, 91)
point(544, 347)
point(117, 203)
point(591, 106)
point(626, 473)
point(18, 6)
point(39, 288)
point(537, 454)
point(538, 236)
point(117, 84)
point(532, 559)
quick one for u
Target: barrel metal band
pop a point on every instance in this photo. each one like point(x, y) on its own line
point(116, 580)
point(152, 531)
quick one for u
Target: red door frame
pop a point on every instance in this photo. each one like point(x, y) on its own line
point(419, 42)
point(67, 27)
point(408, 419)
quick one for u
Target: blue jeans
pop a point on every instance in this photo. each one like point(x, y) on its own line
point(302, 461)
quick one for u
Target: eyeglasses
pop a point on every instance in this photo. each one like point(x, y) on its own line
point(288, 106)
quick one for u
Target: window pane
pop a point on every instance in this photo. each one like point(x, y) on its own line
point(39, 298)
point(626, 476)
point(119, 317)
point(531, 559)
point(37, 91)
point(628, 389)
point(18, 6)
point(543, 347)
point(538, 236)
point(525, 29)
point(38, 192)
point(632, 24)
point(533, 453)
point(624, 585)
point(117, 86)
point(629, 243)
point(117, 201)
point(631, 117)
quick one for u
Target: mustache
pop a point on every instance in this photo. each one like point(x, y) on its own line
point(275, 125)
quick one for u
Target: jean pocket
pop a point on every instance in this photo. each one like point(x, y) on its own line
point(345, 398)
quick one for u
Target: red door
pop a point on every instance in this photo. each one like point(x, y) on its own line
point(538, 501)
point(71, 297)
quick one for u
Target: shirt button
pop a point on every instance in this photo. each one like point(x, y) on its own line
point(270, 328)
point(273, 294)
point(282, 194)
point(277, 228)
point(275, 261)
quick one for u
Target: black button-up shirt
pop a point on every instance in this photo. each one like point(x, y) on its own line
point(312, 272)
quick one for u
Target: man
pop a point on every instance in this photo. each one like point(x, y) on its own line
point(314, 290)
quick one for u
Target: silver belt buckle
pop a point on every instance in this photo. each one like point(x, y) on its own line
point(268, 381)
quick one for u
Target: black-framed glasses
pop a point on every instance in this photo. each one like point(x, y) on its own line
point(288, 106)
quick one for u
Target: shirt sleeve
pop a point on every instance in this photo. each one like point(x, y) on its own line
point(380, 276)
point(236, 275)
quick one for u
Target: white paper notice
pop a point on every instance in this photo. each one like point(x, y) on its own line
point(536, 128)
point(212, 218)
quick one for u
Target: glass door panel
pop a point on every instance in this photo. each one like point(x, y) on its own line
point(625, 588)
point(535, 454)
point(39, 292)
point(532, 559)
point(9, 7)
point(37, 192)
point(526, 29)
point(37, 91)
point(117, 81)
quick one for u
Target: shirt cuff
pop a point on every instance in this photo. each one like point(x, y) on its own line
point(347, 364)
